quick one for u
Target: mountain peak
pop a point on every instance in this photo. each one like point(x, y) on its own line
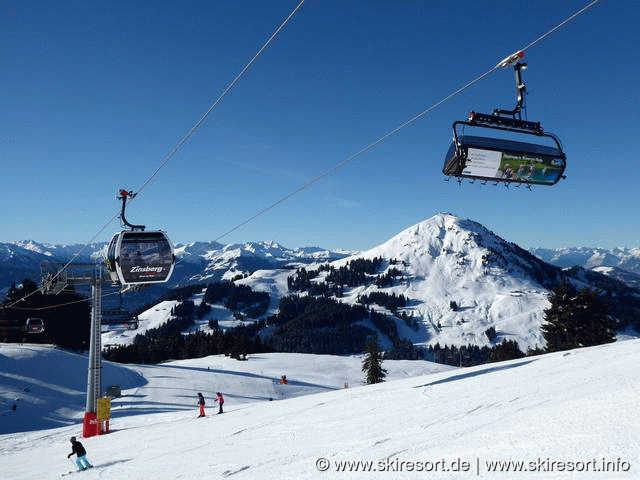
point(442, 234)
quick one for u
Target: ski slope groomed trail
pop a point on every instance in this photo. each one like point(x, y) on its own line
point(564, 415)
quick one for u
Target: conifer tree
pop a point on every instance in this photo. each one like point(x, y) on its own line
point(372, 364)
point(576, 319)
point(556, 317)
point(507, 350)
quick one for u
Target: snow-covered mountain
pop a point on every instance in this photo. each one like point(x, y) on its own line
point(460, 279)
point(23, 259)
point(628, 278)
point(463, 285)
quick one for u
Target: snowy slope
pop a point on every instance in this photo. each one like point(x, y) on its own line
point(152, 318)
point(48, 385)
point(577, 407)
point(274, 282)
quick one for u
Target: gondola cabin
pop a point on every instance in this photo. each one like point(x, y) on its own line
point(139, 257)
point(502, 160)
point(34, 325)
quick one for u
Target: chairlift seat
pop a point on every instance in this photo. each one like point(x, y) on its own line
point(503, 160)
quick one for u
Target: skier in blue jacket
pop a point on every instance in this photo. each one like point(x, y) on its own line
point(81, 459)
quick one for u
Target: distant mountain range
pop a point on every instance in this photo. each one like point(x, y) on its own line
point(212, 261)
point(623, 258)
point(460, 279)
point(196, 262)
point(620, 263)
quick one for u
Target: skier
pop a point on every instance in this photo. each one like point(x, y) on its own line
point(81, 459)
point(220, 400)
point(201, 403)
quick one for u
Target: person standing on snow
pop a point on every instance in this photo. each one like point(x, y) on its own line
point(81, 460)
point(201, 403)
point(220, 400)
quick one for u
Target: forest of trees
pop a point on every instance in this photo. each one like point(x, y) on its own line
point(311, 324)
point(168, 342)
point(307, 324)
point(238, 298)
point(318, 323)
point(358, 272)
point(471, 355)
point(237, 343)
point(392, 302)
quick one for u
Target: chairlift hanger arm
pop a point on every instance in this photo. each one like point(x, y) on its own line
point(502, 123)
point(521, 91)
point(510, 120)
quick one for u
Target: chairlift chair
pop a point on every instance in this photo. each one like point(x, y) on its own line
point(540, 160)
point(118, 319)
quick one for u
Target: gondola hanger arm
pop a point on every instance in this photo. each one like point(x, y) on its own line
point(124, 195)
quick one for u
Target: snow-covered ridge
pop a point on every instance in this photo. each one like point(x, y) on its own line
point(200, 261)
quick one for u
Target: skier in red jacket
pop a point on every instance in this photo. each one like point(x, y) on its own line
point(220, 400)
point(201, 403)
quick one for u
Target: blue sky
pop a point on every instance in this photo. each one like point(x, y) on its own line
point(94, 95)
